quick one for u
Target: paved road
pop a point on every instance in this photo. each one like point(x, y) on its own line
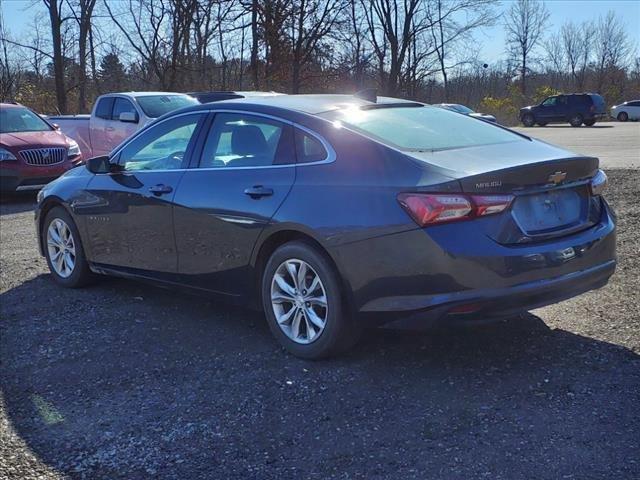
point(616, 144)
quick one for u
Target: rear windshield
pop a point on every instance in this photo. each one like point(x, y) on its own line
point(421, 128)
point(155, 106)
point(20, 119)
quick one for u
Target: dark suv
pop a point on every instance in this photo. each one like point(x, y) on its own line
point(575, 108)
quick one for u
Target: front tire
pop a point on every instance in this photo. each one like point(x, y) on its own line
point(63, 250)
point(528, 120)
point(303, 303)
point(576, 120)
point(623, 117)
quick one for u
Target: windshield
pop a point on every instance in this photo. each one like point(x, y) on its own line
point(20, 119)
point(155, 106)
point(421, 128)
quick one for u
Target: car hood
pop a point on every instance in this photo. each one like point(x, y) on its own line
point(50, 138)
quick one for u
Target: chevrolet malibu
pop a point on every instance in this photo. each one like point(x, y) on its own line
point(334, 212)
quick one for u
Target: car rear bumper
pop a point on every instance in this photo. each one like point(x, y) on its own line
point(496, 303)
point(421, 275)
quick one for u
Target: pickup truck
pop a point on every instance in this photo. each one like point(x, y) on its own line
point(117, 116)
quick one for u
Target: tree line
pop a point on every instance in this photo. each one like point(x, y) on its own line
point(426, 50)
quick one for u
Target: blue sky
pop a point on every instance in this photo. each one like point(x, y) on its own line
point(18, 15)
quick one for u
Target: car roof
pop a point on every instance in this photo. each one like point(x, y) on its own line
point(306, 103)
point(134, 95)
point(11, 105)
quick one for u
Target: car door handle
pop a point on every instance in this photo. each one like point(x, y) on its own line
point(258, 191)
point(160, 189)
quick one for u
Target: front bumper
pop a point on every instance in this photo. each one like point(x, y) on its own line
point(18, 176)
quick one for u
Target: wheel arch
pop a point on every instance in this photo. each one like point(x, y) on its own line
point(276, 238)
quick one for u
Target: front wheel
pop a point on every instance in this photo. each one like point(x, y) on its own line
point(576, 120)
point(590, 123)
point(623, 117)
point(63, 250)
point(303, 303)
point(528, 120)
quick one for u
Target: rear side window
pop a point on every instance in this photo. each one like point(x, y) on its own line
point(308, 148)
point(103, 110)
point(242, 140)
point(421, 128)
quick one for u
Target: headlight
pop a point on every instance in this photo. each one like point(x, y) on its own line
point(6, 155)
point(74, 149)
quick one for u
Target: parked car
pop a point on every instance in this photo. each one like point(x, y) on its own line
point(626, 111)
point(117, 116)
point(456, 107)
point(575, 108)
point(331, 212)
point(32, 151)
point(217, 96)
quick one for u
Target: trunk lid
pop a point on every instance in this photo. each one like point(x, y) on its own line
point(550, 186)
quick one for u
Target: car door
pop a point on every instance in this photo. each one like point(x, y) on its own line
point(245, 171)
point(120, 129)
point(633, 109)
point(99, 122)
point(548, 111)
point(128, 213)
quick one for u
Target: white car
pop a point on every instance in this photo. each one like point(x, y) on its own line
point(117, 116)
point(626, 111)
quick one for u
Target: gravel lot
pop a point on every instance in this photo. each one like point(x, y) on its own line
point(123, 380)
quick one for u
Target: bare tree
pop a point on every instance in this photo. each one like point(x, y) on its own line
point(56, 18)
point(612, 46)
point(399, 22)
point(82, 12)
point(524, 24)
point(448, 28)
point(576, 41)
point(311, 21)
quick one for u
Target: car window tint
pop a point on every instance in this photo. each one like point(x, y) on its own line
point(104, 107)
point(420, 128)
point(634, 104)
point(241, 140)
point(122, 105)
point(549, 101)
point(155, 106)
point(161, 147)
point(20, 119)
point(309, 148)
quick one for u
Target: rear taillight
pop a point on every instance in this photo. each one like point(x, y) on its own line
point(429, 209)
point(598, 183)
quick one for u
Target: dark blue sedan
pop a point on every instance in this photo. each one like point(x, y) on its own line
point(332, 212)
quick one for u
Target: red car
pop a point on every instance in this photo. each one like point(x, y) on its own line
point(33, 152)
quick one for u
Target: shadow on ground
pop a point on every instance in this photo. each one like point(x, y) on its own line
point(18, 202)
point(127, 381)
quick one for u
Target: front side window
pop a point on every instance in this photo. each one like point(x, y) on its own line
point(161, 147)
point(122, 105)
point(550, 102)
point(20, 119)
point(242, 140)
point(154, 106)
point(420, 128)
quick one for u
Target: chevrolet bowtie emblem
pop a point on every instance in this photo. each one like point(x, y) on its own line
point(557, 177)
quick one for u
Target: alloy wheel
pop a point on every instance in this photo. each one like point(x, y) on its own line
point(61, 248)
point(299, 301)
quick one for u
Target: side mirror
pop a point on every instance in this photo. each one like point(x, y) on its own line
point(101, 164)
point(128, 117)
point(56, 126)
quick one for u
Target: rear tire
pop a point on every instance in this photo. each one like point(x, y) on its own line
point(63, 250)
point(623, 117)
point(528, 120)
point(590, 123)
point(320, 331)
point(576, 120)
